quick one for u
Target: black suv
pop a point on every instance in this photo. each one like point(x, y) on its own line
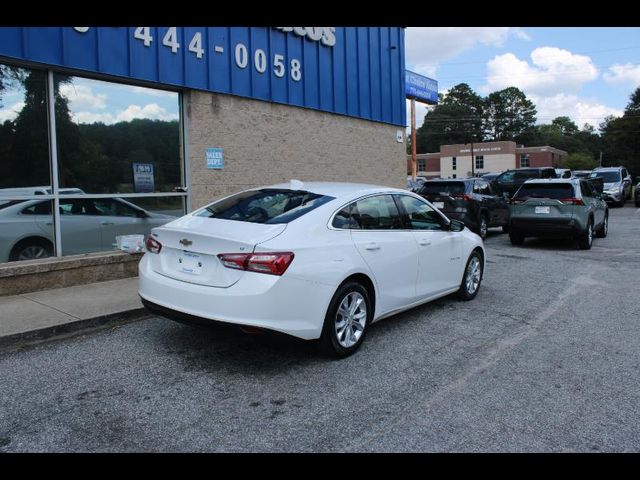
point(470, 200)
point(510, 181)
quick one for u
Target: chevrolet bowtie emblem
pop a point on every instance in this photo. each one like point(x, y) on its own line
point(186, 242)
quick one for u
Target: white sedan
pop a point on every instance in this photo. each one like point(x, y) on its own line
point(314, 260)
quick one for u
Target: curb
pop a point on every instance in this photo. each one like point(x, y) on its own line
point(66, 330)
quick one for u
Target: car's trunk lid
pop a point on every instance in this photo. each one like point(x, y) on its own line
point(190, 246)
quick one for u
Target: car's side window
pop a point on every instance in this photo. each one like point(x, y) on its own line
point(481, 187)
point(506, 177)
point(419, 215)
point(42, 208)
point(112, 208)
point(344, 218)
point(377, 213)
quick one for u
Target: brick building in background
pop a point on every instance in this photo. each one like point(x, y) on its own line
point(454, 161)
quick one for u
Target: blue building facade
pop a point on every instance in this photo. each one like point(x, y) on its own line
point(354, 71)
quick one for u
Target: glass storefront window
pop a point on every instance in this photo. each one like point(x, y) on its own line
point(111, 139)
point(115, 138)
point(24, 141)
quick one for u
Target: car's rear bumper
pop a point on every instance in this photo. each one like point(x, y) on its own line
point(545, 227)
point(281, 303)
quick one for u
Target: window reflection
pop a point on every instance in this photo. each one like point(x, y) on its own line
point(24, 142)
point(26, 230)
point(115, 138)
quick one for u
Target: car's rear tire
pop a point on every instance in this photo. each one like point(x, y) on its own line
point(31, 249)
point(505, 228)
point(586, 239)
point(346, 321)
point(604, 228)
point(516, 238)
point(471, 278)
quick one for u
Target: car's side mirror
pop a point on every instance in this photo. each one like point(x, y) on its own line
point(456, 226)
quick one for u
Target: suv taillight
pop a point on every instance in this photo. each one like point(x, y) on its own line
point(153, 245)
point(272, 263)
point(572, 201)
point(462, 196)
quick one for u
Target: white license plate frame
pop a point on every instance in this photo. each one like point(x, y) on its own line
point(542, 209)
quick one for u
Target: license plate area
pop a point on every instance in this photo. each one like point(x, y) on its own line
point(191, 263)
point(542, 209)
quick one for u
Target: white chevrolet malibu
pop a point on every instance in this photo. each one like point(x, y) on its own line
point(312, 260)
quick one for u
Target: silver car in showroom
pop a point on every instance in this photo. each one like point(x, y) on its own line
point(87, 225)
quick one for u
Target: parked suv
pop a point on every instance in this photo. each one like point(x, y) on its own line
point(470, 200)
point(558, 208)
point(617, 184)
point(511, 180)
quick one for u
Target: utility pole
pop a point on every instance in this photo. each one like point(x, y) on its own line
point(413, 139)
point(600, 158)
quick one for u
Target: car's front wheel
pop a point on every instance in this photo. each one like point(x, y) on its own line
point(586, 240)
point(604, 229)
point(346, 321)
point(472, 277)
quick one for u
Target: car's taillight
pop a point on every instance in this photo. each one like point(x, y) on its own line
point(462, 196)
point(272, 263)
point(572, 201)
point(153, 245)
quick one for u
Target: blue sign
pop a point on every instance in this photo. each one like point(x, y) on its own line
point(215, 158)
point(423, 89)
point(143, 178)
point(354, 71)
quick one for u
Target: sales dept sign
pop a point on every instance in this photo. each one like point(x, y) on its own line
point(215, 158)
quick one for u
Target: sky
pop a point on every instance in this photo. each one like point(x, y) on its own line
point(579, 72)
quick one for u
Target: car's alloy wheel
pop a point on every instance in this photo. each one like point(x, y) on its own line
point(472, 277)
point(346, 321)
point(351, 319)
point(32, 252)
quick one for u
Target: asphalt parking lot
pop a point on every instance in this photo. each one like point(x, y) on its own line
point(545, 359)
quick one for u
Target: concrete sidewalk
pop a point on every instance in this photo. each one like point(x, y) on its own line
point(33, 317)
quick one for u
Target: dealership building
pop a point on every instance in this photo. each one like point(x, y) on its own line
point(108, 131)
point(454, 161)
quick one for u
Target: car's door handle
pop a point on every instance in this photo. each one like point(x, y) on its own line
point(424, 242)
point(372, 246)
point(107, 223)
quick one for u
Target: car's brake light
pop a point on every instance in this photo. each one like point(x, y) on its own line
point(272, 263)
point(572, 201)
point(153, 245)
point(462, 196)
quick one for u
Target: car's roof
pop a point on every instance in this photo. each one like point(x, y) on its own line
point(335, 189)
point(465, 179)
point(553, 180)
point(605, 169)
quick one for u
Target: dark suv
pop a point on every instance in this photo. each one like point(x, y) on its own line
point(470, 200)
point(510, 181)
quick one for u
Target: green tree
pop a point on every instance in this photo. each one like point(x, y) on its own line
point(579, 161)
point(456, 119)
point(621, 137)
point(509, 114)
point(565, 125)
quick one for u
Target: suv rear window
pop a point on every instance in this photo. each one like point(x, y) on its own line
point(267, 206)
point(545, 190)
point(434, 188)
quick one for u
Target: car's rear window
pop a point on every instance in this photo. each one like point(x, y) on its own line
point(548, 190)
point(443, 187)
point(607, 177)
point(265, 206)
